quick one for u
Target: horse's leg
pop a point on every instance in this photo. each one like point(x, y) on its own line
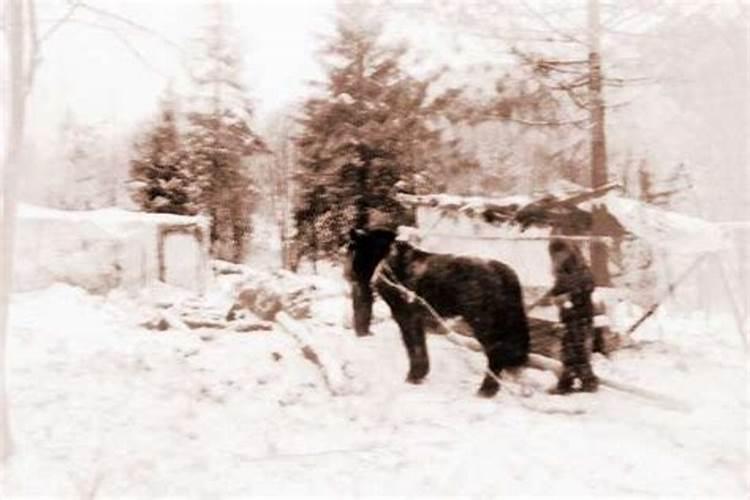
point(505, 343)
point(419, 361)
point(411, 325)
point(362, 305)
point(488, 337)
point(490, 385)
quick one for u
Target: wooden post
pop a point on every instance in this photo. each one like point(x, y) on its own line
point(731, 298)
point(670, 289)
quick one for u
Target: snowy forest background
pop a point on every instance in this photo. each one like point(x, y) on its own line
point(288, 122)
point(471, 98)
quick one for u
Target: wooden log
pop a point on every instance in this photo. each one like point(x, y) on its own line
point(331, 371)
point(539, 362)
point(196, 322)
point(670, 290)
point(173, 320)
point(266, 295)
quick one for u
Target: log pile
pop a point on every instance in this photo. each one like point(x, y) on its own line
point(265, 295)
point(285, 299)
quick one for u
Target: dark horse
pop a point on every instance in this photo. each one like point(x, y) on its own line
point(486, 293)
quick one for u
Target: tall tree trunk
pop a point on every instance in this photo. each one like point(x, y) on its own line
point(288, 203)
point(16, 104)
point(284, 216)
point(362, 215)
point(362, 212)
point(599, 257)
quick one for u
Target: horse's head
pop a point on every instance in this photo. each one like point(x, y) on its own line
point(367, 247)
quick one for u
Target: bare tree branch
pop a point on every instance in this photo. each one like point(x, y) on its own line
point(127, 22)
point(618, 19)
point(583, 81)
point(557, 62)
point(75, 6)
point(123, 40)
point(72, 7)
point(549, 123)
point(544, 65)
point(492, 35)
point(138, 55)
point(621, 82)
point(576, 99)
point(34, 53)
point(619, 105)
point(550, 26)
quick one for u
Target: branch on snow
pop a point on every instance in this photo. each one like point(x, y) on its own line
point(329, 368)
point(549, 123)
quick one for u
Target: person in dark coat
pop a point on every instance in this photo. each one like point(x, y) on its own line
point(574, 284)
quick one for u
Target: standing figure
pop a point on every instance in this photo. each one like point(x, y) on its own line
point(574, 284)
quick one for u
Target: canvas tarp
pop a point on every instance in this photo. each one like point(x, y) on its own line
point(671, 231)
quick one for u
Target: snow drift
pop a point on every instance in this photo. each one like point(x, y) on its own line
point(99, 250)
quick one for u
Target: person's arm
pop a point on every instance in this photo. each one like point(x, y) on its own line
point(558, 292)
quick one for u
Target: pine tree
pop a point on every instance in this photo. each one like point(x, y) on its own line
point(161, 177)
point(374, 126)
point(81, 185)
point(220, 138)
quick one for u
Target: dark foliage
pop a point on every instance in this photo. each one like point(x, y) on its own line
point(161, 175)
point(374, 130)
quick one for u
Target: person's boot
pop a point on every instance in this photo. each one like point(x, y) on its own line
point(564, 383)
point(589, 381)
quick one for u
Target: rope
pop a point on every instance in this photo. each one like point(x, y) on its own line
point(412, 296)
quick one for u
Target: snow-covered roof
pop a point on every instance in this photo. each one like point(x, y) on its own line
point(569, 205)
point(676, 232)
point(557, 208)
point(105, 216)
point(467, 204)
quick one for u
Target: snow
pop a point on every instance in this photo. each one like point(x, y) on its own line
point(673, 231)
point(102, 407)
point(105, 249)
point(523, 250)
point(676, 232)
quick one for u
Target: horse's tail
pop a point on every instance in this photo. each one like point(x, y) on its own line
point(516, 337)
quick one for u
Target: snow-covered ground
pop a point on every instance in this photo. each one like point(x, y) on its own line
point(102, 407)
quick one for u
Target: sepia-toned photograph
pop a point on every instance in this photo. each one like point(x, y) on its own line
point(374, 248)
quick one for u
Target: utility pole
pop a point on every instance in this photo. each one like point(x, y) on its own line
point(599, 257)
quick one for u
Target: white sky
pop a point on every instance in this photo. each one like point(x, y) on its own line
point(92, 70)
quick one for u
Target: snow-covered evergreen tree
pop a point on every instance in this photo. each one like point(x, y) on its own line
point(82, 183)
point(162, 179)
point(220, 137)
point(374, 126)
